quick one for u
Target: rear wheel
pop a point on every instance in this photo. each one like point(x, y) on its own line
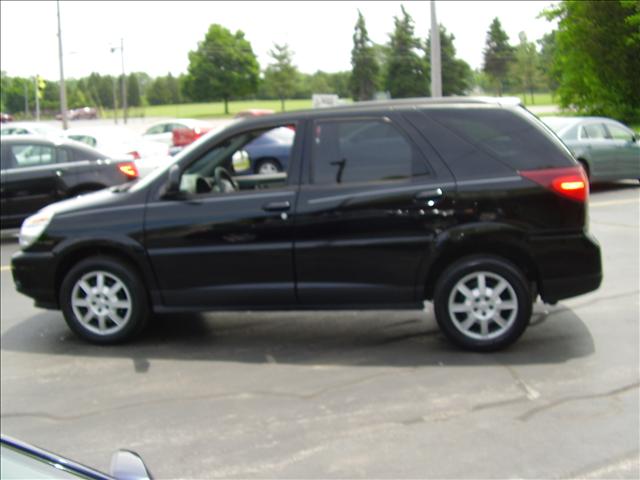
point(482, 303)
point(104, 301)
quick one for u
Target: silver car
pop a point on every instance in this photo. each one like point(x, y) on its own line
point(607, 149)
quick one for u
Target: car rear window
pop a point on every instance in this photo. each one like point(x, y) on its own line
point(513, 137)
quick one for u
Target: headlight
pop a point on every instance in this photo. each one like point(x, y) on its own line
point(33, 227)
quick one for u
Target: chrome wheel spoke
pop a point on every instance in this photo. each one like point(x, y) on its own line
point(482, 284)
point(461, 308)
point(469, 322)
point(508, 305)
point(484, 328)
point(462, 288)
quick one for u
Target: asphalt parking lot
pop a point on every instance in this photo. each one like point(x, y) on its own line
point(344, 394)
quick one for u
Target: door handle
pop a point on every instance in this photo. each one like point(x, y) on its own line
point(430, 196)
point(277, 206)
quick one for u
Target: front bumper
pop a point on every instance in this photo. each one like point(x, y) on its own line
point(568, 265)
point(34, 276)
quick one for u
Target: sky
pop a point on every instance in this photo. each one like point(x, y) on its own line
point(158, 35)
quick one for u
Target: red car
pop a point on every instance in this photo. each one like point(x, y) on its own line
point(5, 117)
point(85, 113)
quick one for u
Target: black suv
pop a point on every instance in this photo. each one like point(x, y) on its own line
point(472, 204)
point(37, 171)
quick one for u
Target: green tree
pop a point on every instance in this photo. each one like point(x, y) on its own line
point(133, 91)
point(498, 55)
point(597, 45)
point(365, 68)
point(526, 65)
point(406, 69)
point(549, 73)
point(457, 76)
point(281, 75)
point(223, 66)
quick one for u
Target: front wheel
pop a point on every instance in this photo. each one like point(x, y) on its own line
point(482, 303)
point(104, 301)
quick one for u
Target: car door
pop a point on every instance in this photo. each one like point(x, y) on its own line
point(29, 182)
point(366, 215)
point(600, 151)
point(218, 246)
point(627, 150)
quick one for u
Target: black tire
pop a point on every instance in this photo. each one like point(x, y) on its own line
point(133, 293)
point(586, 168)
point(482, 309)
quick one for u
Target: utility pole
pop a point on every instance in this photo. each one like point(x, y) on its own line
point(37, 94)
point(123, 85)
point(63, 90)
point(436, 69)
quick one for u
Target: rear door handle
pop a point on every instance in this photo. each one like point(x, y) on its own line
point(432, 195)
point(277, 206)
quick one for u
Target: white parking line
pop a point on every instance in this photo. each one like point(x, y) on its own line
point(614, 202)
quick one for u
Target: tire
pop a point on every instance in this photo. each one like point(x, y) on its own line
point(480, 322)
point(268, 166)
point(113, 316)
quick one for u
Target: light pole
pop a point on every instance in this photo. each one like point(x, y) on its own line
point(124, 80)
point(436, 69)
point(63, 91)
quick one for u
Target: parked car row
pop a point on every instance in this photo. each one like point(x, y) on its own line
point(36, 171)
point(84, 113)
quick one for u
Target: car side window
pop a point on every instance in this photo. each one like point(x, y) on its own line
point(619, 133)
point(594, 131)
point(27, 155)
point(253, 160)
point(360, 151)
point(157, 129)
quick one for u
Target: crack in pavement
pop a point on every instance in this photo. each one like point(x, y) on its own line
point(240, 396)
point(572, 398)
point(610, 468)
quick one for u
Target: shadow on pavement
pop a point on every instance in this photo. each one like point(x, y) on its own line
point(393, 339)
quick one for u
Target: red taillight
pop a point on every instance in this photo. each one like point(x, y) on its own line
point(570, 182)
point(129, 169)
point(135, 155)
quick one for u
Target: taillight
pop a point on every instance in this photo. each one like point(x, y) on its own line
point(135, 155)
point(569, 182)
point(129, 169)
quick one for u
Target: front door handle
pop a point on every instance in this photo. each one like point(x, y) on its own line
point(277, 206)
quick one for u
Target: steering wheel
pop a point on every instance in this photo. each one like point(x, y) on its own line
point(224, 180)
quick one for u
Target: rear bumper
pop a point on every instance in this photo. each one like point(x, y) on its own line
point(34, 276)
point(568, 266)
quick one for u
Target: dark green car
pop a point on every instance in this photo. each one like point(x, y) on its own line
point(607, 149)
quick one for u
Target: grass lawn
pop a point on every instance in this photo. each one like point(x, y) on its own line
point(539, 98)
point(210, 110)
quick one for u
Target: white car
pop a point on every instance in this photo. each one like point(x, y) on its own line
point(121, 143)
point(30, 128)
point(163, 131)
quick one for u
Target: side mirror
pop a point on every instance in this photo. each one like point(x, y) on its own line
point(241, 161)
point(127, 465)
point(172, 187)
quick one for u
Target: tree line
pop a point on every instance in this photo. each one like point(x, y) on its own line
point(590, 62)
